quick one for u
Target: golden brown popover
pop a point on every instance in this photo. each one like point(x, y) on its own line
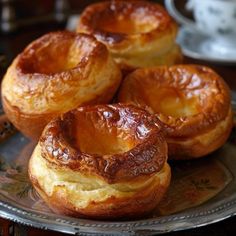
point(192, 102)
point(103, 161)
point(137, 33)
point(54, 74)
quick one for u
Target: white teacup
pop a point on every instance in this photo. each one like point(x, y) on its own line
point(215, 18)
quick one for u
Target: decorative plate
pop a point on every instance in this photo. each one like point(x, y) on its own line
point(202, 192)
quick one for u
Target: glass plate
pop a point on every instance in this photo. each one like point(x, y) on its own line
point(202, 192)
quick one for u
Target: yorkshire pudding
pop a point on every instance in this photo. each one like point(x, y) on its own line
point(54, 74)
point(192, 102)
point(137, 33)
point(104, 162)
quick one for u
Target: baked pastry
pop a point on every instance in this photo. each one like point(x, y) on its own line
point(54, 74)
point(192, 102)
point(137, 33)
point(104, 162)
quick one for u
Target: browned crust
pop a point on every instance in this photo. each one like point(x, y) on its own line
point(89, 20)
point(32, 125)
point(214, 96)
point(27, 83)
point(177, 58)
point(27, 74)
point(30, 82)
point(137, 206)
point(29, 124)
point(186, 135)
point(145, 158)
point(137, 33)
point(180, 151)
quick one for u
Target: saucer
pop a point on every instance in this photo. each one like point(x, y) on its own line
point(202, 47)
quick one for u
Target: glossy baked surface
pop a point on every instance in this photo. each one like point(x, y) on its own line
point(20, 203)
point(132, 31)
point(56, 73)
point(107, 139)
point(190, 100)
point(111, 160)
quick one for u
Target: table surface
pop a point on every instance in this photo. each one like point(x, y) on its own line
point(11, 45)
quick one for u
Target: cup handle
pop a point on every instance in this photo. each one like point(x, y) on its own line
point(170, 6)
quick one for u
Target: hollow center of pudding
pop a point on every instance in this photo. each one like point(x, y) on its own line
point(171, 102)
point(54, 56)
point(94, 135)
point(140, 20)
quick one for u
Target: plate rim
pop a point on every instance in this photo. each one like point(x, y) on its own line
point(70, 225)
